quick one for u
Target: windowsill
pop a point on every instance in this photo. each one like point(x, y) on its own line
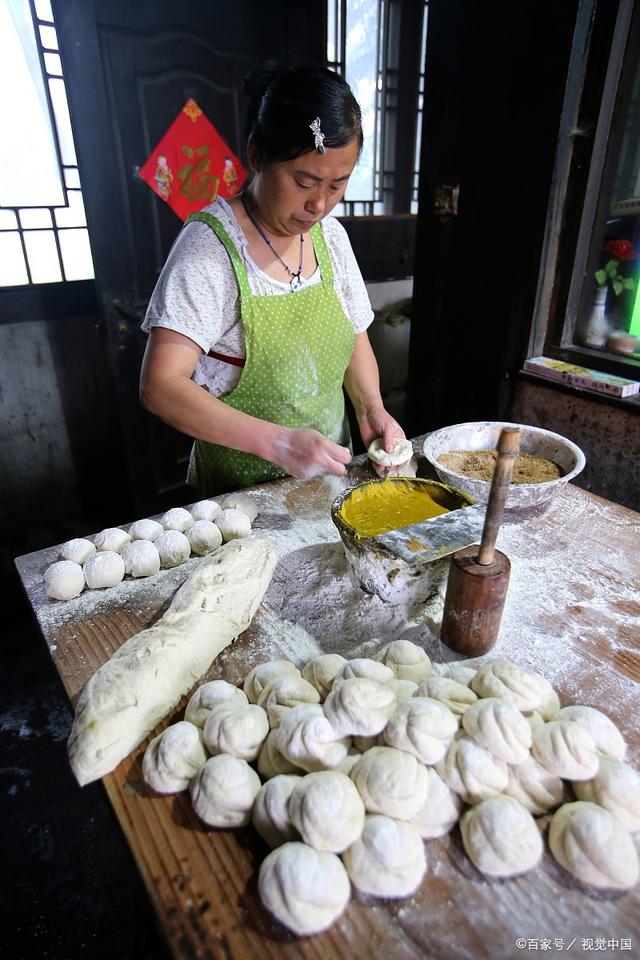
point(630, 404)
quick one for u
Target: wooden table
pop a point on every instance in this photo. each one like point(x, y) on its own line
point(572, 613)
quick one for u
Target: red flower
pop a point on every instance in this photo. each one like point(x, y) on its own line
point(621, 249)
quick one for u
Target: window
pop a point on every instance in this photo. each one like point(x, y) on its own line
point(379, 47)
point(43, 228)
point(588, 304)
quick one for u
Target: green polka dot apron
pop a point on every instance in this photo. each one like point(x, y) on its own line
point(297, 346)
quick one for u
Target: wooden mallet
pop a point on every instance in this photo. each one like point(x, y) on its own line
point(479, 576)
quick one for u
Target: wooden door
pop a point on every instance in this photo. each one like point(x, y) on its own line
point(130, 67)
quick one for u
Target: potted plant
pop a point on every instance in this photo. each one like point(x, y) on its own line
point(612, 275)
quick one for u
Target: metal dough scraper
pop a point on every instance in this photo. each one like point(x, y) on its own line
point(436, 537)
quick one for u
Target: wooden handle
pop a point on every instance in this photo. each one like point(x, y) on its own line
point(508, 447)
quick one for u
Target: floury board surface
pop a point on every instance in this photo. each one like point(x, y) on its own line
point(572, 613)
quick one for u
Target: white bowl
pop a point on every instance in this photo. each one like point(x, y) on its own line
point(525, 499)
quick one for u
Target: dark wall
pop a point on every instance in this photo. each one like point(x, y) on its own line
point(495, 78)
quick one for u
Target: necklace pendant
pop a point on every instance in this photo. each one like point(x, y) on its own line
point(296, 282)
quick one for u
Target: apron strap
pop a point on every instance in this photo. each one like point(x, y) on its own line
point(322, 253)
point(225, 239)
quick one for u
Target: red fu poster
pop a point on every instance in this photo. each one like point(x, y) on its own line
point(192, 165)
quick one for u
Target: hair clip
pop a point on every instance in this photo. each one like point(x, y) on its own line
point(318, 135)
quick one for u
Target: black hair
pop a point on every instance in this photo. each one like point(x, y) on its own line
point(284, 101)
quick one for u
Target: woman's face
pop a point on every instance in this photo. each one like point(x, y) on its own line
point(292, 195)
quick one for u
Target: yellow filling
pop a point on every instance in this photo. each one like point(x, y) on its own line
point(379, 507)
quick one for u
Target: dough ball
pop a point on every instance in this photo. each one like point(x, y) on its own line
point(388, 860)
point(141, 558)
point(224, 790)
point(593, 845)
point(524, 690)
point(440, 810)
point(241, 501)
point(257, 679)
point(205, 510)
point(471, 771)
point(606, 736)
point(305, 889)
point(236, 728)
point(327, 810)
point(208, 696)
point(271, 760)
point(173, 547)
point(177, 519)
point(145, 530)
point(407, 660)
point(501, 837)
point(271, 811)
point(173, 758)
point(397, 463)
point(534, 787)
point(307, 739)
point(359, 707)
point(403, 689)
point(63, 580)
point(112, 539)
point(423, 727)
point(566, 749)
point(282, 694)
point(454, 671)
point(322, 671)
point(104, 569)
point(616, 787)
point(365, 668)
point(456, 696)
point(391, 782)
point(233, 525)
point(203, 537)
point(498, 727)
point(77, 550)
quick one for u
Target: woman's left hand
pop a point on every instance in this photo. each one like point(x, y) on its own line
point(379, 423)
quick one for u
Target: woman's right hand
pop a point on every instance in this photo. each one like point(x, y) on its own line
point(305, 453)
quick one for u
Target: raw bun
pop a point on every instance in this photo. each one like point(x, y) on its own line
point(391, 782)
point(173, 547)
point(498, 727)
point(365, 668)
point(606, 736)
point(177, 519)
point(63, 580)
point(173, 758)
point(306, 739)
point(401, 453)
point(233, 524)
point(111, 539)
point(236, 728)
point(258, 678)
point(501, 837)
point(456, 696)
point(566, 749)
point(271, 811)
point(145, 530)
point(440, 810)
point(407, 660)
point(322, 671)
point(359, 707)
point(471, 771)
point(616, 787)
point(422, 727)
point(205, 510)
point(77, 550)
point(282, 694)
point(454, 671)
point(208, 696)
point(141, 558)
point(388, 860)
point(224, 790)
point(523, 689)
point(327, 810)
point(403, 689)
point(271, 761)
point(593, 845)
point(305, 889)
point(203, 537)
point(241, 501)
point(534, 787)
point(104, 569)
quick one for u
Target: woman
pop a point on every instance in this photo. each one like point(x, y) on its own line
point(265, 307)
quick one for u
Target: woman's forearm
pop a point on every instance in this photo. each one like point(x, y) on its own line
point(362, 380)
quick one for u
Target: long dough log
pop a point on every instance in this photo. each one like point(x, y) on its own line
point(131, 693)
